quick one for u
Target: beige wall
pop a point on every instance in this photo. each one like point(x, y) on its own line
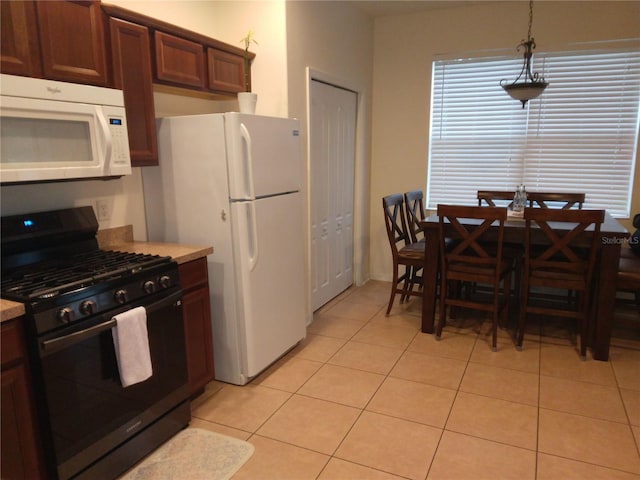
point(336, 41)
point(406, 45)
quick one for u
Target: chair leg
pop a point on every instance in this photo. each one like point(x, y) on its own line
point(394, 285)
point(494, 317)
point(523, 314)
point(442, 309)
point(584, 327)
point(407, 286)
point(506, 291)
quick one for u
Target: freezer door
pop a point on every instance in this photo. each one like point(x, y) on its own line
point(269, 258)
point(264, 155)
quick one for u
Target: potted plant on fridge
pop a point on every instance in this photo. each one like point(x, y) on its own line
point(247, 100)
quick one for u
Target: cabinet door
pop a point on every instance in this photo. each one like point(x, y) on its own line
point(197, 323)
point(179, 61)
point(19, 47)
point(226, 71)
point(72, 41)
point(197, 326)
point(131, 50)
point(20, 456)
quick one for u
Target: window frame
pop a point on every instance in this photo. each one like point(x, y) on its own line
point(534, 138)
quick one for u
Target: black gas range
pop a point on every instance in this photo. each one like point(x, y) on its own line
point(92, 426)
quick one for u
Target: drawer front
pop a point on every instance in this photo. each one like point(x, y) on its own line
point(12, 341)
point(194, 274)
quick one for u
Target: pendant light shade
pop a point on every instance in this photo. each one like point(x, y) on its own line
point(528, 85)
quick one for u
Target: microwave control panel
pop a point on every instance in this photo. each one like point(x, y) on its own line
point(120, 139)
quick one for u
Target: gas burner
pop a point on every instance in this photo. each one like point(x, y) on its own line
point(51, 278)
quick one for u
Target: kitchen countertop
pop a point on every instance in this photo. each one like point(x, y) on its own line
point(122, 241)
point(179, 252)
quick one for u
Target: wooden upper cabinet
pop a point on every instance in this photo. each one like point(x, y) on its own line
point(72, 42)
point(179, 61)
point(132, 72)
point(19, 47)
point(226, 71)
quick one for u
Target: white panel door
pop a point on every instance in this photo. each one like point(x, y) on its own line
point(332, 152)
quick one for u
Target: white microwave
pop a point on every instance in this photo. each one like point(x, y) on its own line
point(60, 131)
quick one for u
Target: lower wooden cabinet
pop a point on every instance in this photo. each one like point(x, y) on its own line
point(197, 323)
point(20, 456)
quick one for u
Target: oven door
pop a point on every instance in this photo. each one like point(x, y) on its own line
point(88, 411)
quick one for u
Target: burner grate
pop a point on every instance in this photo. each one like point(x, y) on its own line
point(54, 277)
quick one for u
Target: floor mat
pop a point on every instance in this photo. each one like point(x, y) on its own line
point(193, 454)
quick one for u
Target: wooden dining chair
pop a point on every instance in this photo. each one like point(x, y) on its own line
point(475, 255)
point(503, 198)
point(405, 254)
point(490, 197)
point(560, 259)
point(628, 279)
point(560, 200)
point(414, 210)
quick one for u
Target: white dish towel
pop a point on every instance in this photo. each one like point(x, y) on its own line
point(131, 343)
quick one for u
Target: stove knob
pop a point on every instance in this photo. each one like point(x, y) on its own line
point(165, 281)
point(65, 315)
point(120, 296)
point(149, 286)
point(88, 307)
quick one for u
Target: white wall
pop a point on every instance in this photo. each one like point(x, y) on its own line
point(404, 48)
point(124, 196)
point(336, 39)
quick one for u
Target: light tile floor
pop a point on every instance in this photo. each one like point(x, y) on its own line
point(366, 396)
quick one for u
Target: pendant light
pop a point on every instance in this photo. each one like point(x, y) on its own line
point(531, 85)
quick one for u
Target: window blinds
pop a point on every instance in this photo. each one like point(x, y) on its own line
point(580, 135)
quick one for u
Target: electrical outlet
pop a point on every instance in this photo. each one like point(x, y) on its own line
point(103, 208)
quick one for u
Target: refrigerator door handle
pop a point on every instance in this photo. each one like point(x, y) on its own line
point(248, 160)
point(253, 237)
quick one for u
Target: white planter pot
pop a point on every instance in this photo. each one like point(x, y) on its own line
point(247, 102)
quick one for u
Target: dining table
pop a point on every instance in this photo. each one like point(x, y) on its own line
point(613, 235)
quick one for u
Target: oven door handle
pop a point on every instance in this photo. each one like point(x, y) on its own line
point(56, 344)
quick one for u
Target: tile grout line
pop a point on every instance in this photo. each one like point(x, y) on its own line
point(362, 410)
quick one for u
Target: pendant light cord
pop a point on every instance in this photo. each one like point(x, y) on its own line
point(530, 19)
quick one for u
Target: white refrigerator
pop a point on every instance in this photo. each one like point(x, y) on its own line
point(233, 181)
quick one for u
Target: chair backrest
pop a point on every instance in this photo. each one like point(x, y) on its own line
point(475, 243)
point(395, 222)
point(489, 198)
point(560, 200)
point(562, 253)
point(414, 208)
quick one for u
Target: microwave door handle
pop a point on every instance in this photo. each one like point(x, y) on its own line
point(106, 137)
